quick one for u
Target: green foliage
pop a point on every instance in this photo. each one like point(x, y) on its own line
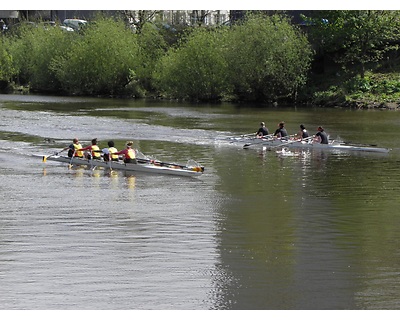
point(372, 89)
point(356, 36)
point(197, 69)
point(268, 58)
point(152, 47)
point(7, 69)
point(100, 61)
point(358, 84)
point(262, 59)
point(332, 96)
point(20, 47)
point(40, 46)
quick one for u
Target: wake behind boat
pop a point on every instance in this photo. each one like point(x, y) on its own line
point(142, 165)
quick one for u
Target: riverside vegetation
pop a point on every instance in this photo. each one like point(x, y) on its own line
point(263, 59)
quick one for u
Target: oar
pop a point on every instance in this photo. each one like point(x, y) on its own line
point(146, 159)
point(258, 141)
point(293, 141)
point(248, 134)
point(70, 163)
point(52, 155)
point(110, 160)
point(359, 144)
point(168, 164)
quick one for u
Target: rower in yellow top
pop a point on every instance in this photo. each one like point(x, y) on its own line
point(73, 149)
point(110, 150)
point(94, 150)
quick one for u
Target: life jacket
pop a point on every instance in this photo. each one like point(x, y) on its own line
point(78, 153)
point(95, 151)
point(113, 150)
point(130, 154)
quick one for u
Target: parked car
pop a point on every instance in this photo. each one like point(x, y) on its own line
point(52, 24)
point(68, 29)
point(75, 24)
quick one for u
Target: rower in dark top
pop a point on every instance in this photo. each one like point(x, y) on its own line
point(321, 136)
point(303, 133)
point(281, 131)
point(263, 131)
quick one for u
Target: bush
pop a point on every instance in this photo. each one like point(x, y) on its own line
point(20, 47)
point(263, 59)
point(152, 47)
point(197, 69)
point(268, 58)
point(35, 50)
point(7, 69)
point(100, 61)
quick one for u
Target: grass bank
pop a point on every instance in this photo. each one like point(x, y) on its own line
point(379, 88)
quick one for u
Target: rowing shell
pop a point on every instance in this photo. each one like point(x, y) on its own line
point(141, 166)
point(276, 143)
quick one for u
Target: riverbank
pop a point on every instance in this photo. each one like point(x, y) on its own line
point(378, 89)
point(334, 89)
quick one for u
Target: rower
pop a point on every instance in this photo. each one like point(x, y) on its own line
point(73, 149)
point(281, 131)
point(321, 136)
point(303, 133)
point(262, 131)
point(94, 150)
point(110, 150)
point(128, 153)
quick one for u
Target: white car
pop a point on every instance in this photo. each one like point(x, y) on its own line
point(75, 24)
point(65, 28)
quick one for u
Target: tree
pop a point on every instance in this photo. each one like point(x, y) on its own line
point(355, 37)
point(151, 48)
point(196, 69)
point(268, 58)
point(138, 18)
point(7, 69)
point(103, 60)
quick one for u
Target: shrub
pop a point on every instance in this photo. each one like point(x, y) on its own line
point(101, 61)
point(43, 44)
point(7, 69)
point(152, 47)
point(268, 58)
point(196, 69)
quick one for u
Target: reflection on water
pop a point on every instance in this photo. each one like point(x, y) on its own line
point(261, 229)
point(312, 224)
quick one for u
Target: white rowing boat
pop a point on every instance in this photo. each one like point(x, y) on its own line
point(308, 143)
point(143, 165)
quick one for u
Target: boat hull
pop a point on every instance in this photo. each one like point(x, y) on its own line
point(303, 144)
point(139, 167)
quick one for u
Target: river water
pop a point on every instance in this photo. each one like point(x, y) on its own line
point(257, 231)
